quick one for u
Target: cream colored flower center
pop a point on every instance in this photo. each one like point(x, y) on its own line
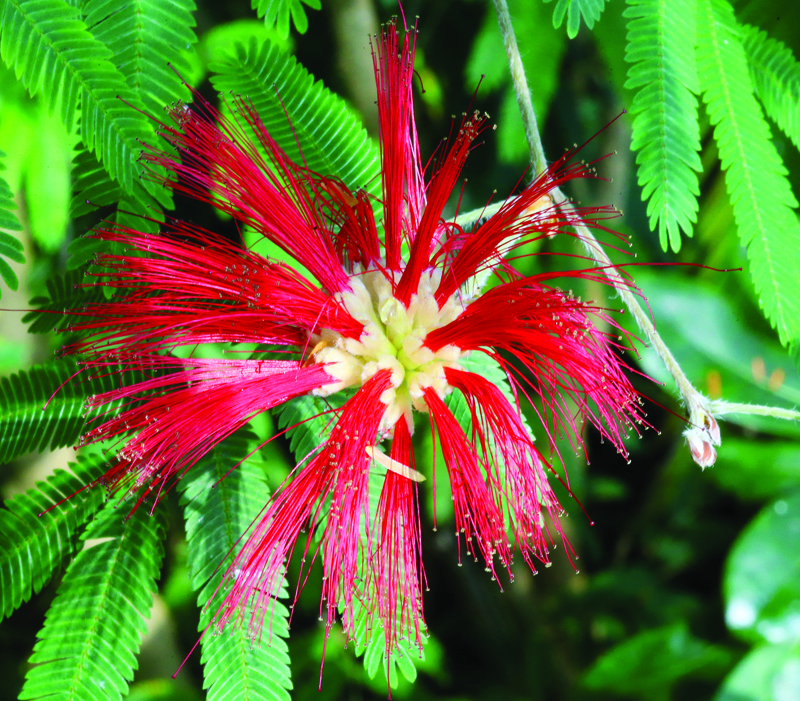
point(391, 340)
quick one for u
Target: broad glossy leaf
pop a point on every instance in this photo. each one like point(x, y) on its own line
point(762, 575)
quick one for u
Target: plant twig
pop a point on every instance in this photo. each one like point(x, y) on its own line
point(521, 87)
point(721, 408)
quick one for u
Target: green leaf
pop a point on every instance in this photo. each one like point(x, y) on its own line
point(34, 544)
point(26, 425)
point(661, 39)
point(10, 246)
point(278, 12)
point(95, 190)
point(97, 193)
point(756, 470)
point(755, 176)
point(218, 513)
point(762, 576)
point(309, 422)
point(296, 109)
point(150, 40)
point(649, 663)
point(53, 52)
point(776, 78)
point(87, 648)
point(589, 10)
point(768, 672)
point(370, 641)
point(63, 294)
point(221, 40)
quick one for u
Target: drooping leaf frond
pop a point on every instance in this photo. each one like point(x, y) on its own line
point(87, 647)
point(150, 40)
point(10, 246)
point(296, 109)
point(25, 425)
point(589, 10)
point(755, 176)
point(53, 53)
point(277, 12)
point(33, 546)
point(775, 73)
point(661, 38)
point(218, 513)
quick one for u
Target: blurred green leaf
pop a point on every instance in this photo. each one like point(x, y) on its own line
point(718, 352)
point(10, 247)
point(757, 469)
point(161, 690)
point(47, 181)
point(776, 77)
point(648, 664)
point(768, 673)
point(762, 577)
point(39, 154)
point(219, 42)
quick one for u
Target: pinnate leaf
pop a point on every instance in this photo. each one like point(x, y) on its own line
point(221, 497)
point(33, 544)
point(755, 176)
point(87, 647)
point(575, 10)
point(661, 39)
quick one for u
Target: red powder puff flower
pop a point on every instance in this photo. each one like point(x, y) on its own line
point(392, 316)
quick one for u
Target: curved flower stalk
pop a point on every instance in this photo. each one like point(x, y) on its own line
point(392, 314)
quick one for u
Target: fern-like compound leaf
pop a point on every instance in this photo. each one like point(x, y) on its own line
point(297, 110)
point(10, 246)
point(308, 421)
point(151, 41)
point(574, 11)
point(26, 425)
point(661, 39)
point(51, 311)
point(218, 514)
point(33, 544)
point(755, 176)
point(278, 12)
point(87, 647)
point(54, 54)
point(97, 193)
point(775, 73)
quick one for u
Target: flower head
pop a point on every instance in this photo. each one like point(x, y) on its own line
point(394, 320)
